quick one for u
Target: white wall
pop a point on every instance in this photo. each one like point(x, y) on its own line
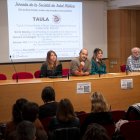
point(123, 3)
point(95, 26)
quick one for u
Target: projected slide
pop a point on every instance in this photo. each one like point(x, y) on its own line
point(36, 27)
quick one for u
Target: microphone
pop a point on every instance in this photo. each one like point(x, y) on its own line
point(14, 68)
point(99, 73)
point(68, 75)
point(127, 69)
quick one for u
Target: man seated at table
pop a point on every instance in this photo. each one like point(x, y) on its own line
point(80, 66)
point(133, 61)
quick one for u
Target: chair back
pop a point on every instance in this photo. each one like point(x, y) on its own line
point(82, 117)
point(3, 76)
point(131, 130)
point(65, 72)
point(37, 74)
point(70, 133)
point(118, 114)
point(123, 68)
point(22, 75)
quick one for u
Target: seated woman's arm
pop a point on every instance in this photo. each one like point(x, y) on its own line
point(43, 70)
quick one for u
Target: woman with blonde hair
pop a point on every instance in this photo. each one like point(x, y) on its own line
point(99, 112)
point(98, 103)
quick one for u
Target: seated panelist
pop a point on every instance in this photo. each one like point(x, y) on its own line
point(97, 64)
point(80, 66)
point(133, 61)
point(51, 67)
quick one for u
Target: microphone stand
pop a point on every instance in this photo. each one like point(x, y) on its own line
point(99, 74)
point(14, 69)
point(68, 76)
point(127, 69)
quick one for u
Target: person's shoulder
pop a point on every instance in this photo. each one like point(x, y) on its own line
point(38, 124)
point(58, 63)
point(44, 63)
point(87, 60)
point(92, 60)
point(130, 57)
point(42, 107)
point(54, 120)
point(77, 119)
point(10, 123)
point(55, 103)
point(75, 59)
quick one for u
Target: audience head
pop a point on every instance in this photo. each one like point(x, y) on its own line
point(26, 131)
point(30, 111)
point(65, 111)
point(96, 132)
point(135, 52)
point(97, 53)
point(98, 103)
point(51, 57)
point(83, 54)
point(48, 94)
point(17, 110)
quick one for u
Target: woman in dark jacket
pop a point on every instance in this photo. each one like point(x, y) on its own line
point(51, 67)
point(65, 116)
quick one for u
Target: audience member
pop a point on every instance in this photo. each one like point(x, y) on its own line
point(16, 116)
point(133, 112)
point(51, 67)
point(133, 61)
point(97, 64)
point(30, 113)
point(26, 131)
point(65, 116)
point(96, 132)
point(48, 109)
point(81, 65)
point(99, 112)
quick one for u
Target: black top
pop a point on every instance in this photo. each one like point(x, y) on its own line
point(55, 123)
point(48, 110)
point(101, 118)
point(45, 72)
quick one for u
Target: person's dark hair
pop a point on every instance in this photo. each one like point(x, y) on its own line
point(26, 131)
point(30, 111)
point(65, 111)
point(48, 94)
point(17, 110)
point(48, 61)
point(41, 134)
point(95, 52)
point(96, 132)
